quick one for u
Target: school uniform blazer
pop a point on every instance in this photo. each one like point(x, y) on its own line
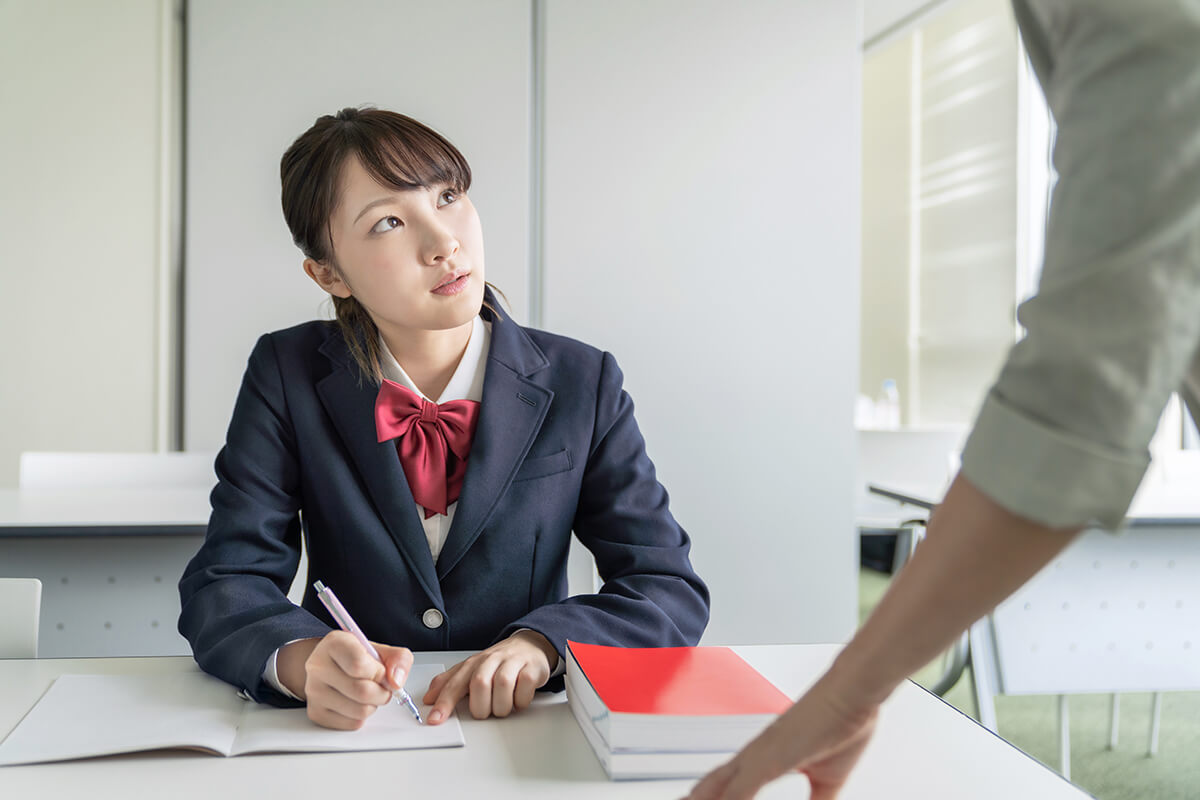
point(556, 450)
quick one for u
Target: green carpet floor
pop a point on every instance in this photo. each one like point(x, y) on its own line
point(1126, 773)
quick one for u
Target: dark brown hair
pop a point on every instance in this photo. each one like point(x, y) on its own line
point(395, 150)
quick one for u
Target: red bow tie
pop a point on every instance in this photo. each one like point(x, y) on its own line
point(433, 442)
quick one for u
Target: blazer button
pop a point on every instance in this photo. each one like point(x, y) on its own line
point(432, 618)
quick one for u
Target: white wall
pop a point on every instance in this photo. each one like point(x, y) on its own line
point(702, 190)
point(79, 221)
point(257, 78)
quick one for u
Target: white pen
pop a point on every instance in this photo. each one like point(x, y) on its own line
point(346, 622)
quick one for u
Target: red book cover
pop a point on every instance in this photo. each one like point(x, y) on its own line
point(677, 680)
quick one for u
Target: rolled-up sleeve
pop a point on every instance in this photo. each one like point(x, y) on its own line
point(1062, 436)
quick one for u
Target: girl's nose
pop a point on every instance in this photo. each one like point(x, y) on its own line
point(440, 244)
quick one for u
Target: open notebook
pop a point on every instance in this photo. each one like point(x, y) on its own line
point(81, 716)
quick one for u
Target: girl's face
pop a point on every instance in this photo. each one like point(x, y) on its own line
point(413, 259)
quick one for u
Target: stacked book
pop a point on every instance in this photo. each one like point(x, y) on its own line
point(667, 712)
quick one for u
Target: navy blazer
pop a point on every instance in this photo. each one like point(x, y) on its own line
point(556, 450)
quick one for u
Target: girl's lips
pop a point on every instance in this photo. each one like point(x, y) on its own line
point(453, 287)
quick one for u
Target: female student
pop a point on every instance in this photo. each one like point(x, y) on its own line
point(434, 455)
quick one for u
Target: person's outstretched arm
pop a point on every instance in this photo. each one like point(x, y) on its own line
point(1062, 436)
point(975, 554)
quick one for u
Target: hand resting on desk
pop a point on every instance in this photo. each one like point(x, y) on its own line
point(342, 685)
point(498, 680)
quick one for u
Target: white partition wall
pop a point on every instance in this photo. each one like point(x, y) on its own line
point(259, 74)
point(82, 87)
point(701, 222)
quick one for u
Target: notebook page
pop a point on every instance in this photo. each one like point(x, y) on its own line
point(266, 729)
point(81, 716)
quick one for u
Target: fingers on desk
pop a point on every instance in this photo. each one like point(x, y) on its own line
point(496, 682)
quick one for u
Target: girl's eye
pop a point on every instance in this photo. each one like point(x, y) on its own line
point(447, 197)
point(386, 224)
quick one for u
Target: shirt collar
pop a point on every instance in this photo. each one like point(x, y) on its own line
point(467, 381)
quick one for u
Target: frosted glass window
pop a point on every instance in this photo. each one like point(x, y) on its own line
point(955, 179)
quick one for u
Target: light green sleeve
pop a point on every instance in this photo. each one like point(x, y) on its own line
point(1062, 436)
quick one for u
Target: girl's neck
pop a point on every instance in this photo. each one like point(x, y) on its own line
point(429, 358)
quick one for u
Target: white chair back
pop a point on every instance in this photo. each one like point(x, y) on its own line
point(21, 599)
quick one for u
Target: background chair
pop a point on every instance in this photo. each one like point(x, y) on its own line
point(21, 599)
point(915, 459)
point(903, 458)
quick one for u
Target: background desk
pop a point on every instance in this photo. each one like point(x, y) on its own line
point(1110, 614)
point(923, 749)
point(109, 561)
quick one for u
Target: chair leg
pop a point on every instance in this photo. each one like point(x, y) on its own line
point(1155, 717)
point(908, 536)
point(984, 679)
point(955, 662)
point(1064, 737)
point(1114, 722)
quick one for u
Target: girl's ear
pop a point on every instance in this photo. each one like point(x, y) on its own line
point(326, 277)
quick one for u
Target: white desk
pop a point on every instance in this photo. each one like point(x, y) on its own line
point(1155, 504)
point(100, 512)
point(923, 749)
point(109, 561)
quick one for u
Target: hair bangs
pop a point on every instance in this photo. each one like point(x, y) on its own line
point(405, 156)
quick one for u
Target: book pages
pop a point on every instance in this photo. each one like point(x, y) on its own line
point(82, 716)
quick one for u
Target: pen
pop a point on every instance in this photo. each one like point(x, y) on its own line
point(347, 623)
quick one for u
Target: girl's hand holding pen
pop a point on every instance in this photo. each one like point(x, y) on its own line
point(342, 684)
point(498, 680)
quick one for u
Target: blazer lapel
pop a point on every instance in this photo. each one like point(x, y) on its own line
point(351, 405)
point(510, 415)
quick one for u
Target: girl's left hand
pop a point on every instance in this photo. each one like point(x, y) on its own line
point(499, 680)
